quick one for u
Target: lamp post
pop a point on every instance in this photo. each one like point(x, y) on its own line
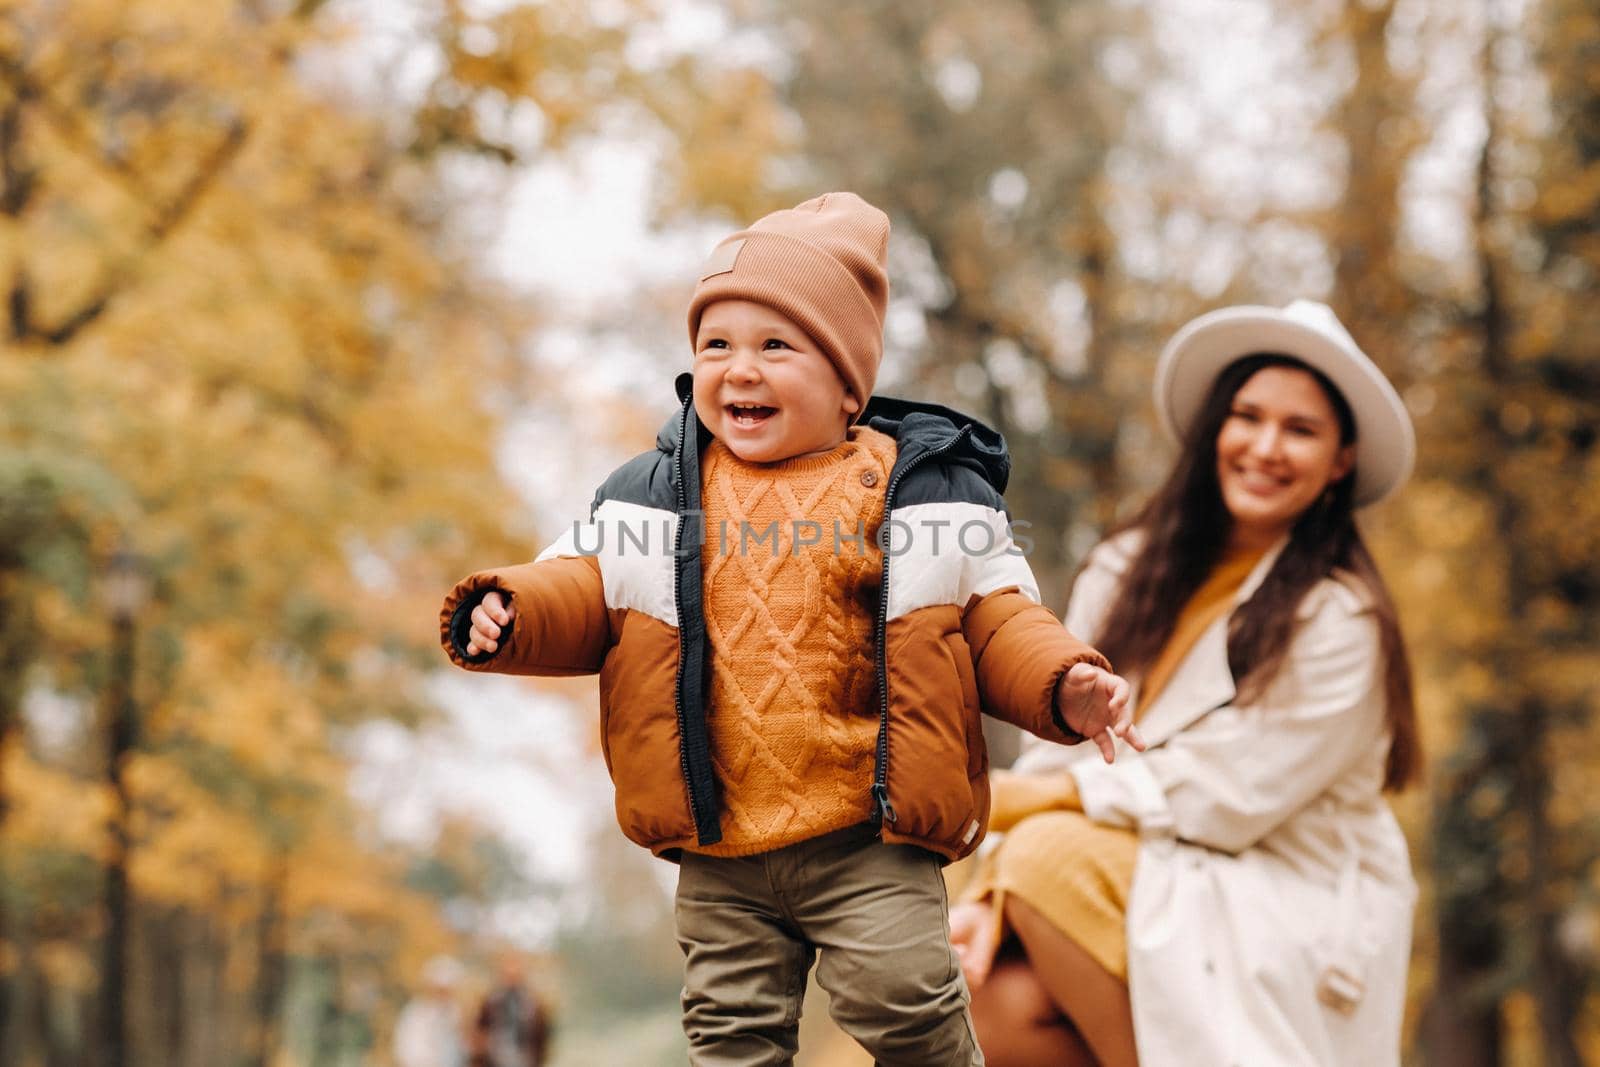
point(126, 591)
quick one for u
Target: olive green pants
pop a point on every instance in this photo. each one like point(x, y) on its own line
point(873, 916)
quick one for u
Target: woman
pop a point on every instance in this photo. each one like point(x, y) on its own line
point(1243, 879)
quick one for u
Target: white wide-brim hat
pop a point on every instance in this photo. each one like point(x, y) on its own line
point(1386, 444)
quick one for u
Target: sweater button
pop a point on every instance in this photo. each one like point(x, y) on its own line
point(869, 478)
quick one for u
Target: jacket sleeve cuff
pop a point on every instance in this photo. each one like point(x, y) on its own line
point(456, 620)
point(1071, 736)
point(1077, 653)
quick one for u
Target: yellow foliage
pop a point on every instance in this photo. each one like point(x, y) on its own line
point(732, 136)
point(53, 809)
point(231, 294)
point(187, 847)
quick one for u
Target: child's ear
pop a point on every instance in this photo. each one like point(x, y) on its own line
point(851, 404)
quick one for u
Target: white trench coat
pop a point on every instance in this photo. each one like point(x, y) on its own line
point(1269, 923)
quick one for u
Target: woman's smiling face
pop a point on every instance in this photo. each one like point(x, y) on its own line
point(1278, 450)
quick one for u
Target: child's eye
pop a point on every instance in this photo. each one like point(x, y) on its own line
point(1244, 416)
point(772, 343)
point(715, 342)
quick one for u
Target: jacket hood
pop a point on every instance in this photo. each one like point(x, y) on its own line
point(915, 426)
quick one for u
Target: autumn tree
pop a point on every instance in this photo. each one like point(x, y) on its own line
point(1496, 361)
point(1510, 816)
point(242, 336)
point(985, 132)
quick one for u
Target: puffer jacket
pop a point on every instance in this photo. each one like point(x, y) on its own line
point(959, 631)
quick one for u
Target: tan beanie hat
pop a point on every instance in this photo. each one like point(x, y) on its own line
point(822, 265)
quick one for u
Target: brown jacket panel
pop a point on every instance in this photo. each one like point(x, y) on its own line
point(1022, 651)
point(639, 731)
point(935, 732)
point(561, 625)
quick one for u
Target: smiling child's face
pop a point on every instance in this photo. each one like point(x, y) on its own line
point(763, 387)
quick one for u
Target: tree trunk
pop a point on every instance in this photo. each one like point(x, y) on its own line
point(1460, 1025)
point(114, 973)
point(16, 637)
point(165, 1007)
point(1557, 982)
point(59, 1047)
point(272, 965)
point(1376, 121)
point(1459, 1028)
point(1552, 979)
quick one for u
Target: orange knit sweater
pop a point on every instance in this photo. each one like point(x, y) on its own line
point(794, 711)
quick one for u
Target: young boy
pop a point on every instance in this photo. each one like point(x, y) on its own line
point(798, 604)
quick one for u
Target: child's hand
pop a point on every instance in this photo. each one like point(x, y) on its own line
point(488, 619)
point(975, 936)
point(1095, 703)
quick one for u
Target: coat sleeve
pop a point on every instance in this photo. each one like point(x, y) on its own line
point(561, 625)
point(1236, 774)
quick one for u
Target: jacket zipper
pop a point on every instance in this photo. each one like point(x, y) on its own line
point(702, 800)
point(880, 775)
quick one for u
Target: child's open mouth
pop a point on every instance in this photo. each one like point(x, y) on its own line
point(750, 414)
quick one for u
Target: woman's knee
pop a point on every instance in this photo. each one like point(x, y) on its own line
point(1011, 997)
point(1017, 1023)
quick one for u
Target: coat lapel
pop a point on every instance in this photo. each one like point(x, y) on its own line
point(1202, 683)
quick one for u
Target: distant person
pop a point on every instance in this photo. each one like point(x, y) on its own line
point(428, 1032)
point(1239, 893)
point(787, 707)
point(512, 1027)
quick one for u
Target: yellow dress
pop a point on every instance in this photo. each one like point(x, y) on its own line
point(1072, 870)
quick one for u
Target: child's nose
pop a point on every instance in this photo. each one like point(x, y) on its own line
point(744, 369)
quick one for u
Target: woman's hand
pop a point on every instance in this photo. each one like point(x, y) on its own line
point(975, 935)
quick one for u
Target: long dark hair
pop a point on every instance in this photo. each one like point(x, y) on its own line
point(1186, 527)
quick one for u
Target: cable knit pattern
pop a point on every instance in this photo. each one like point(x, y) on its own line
point(794, 709)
